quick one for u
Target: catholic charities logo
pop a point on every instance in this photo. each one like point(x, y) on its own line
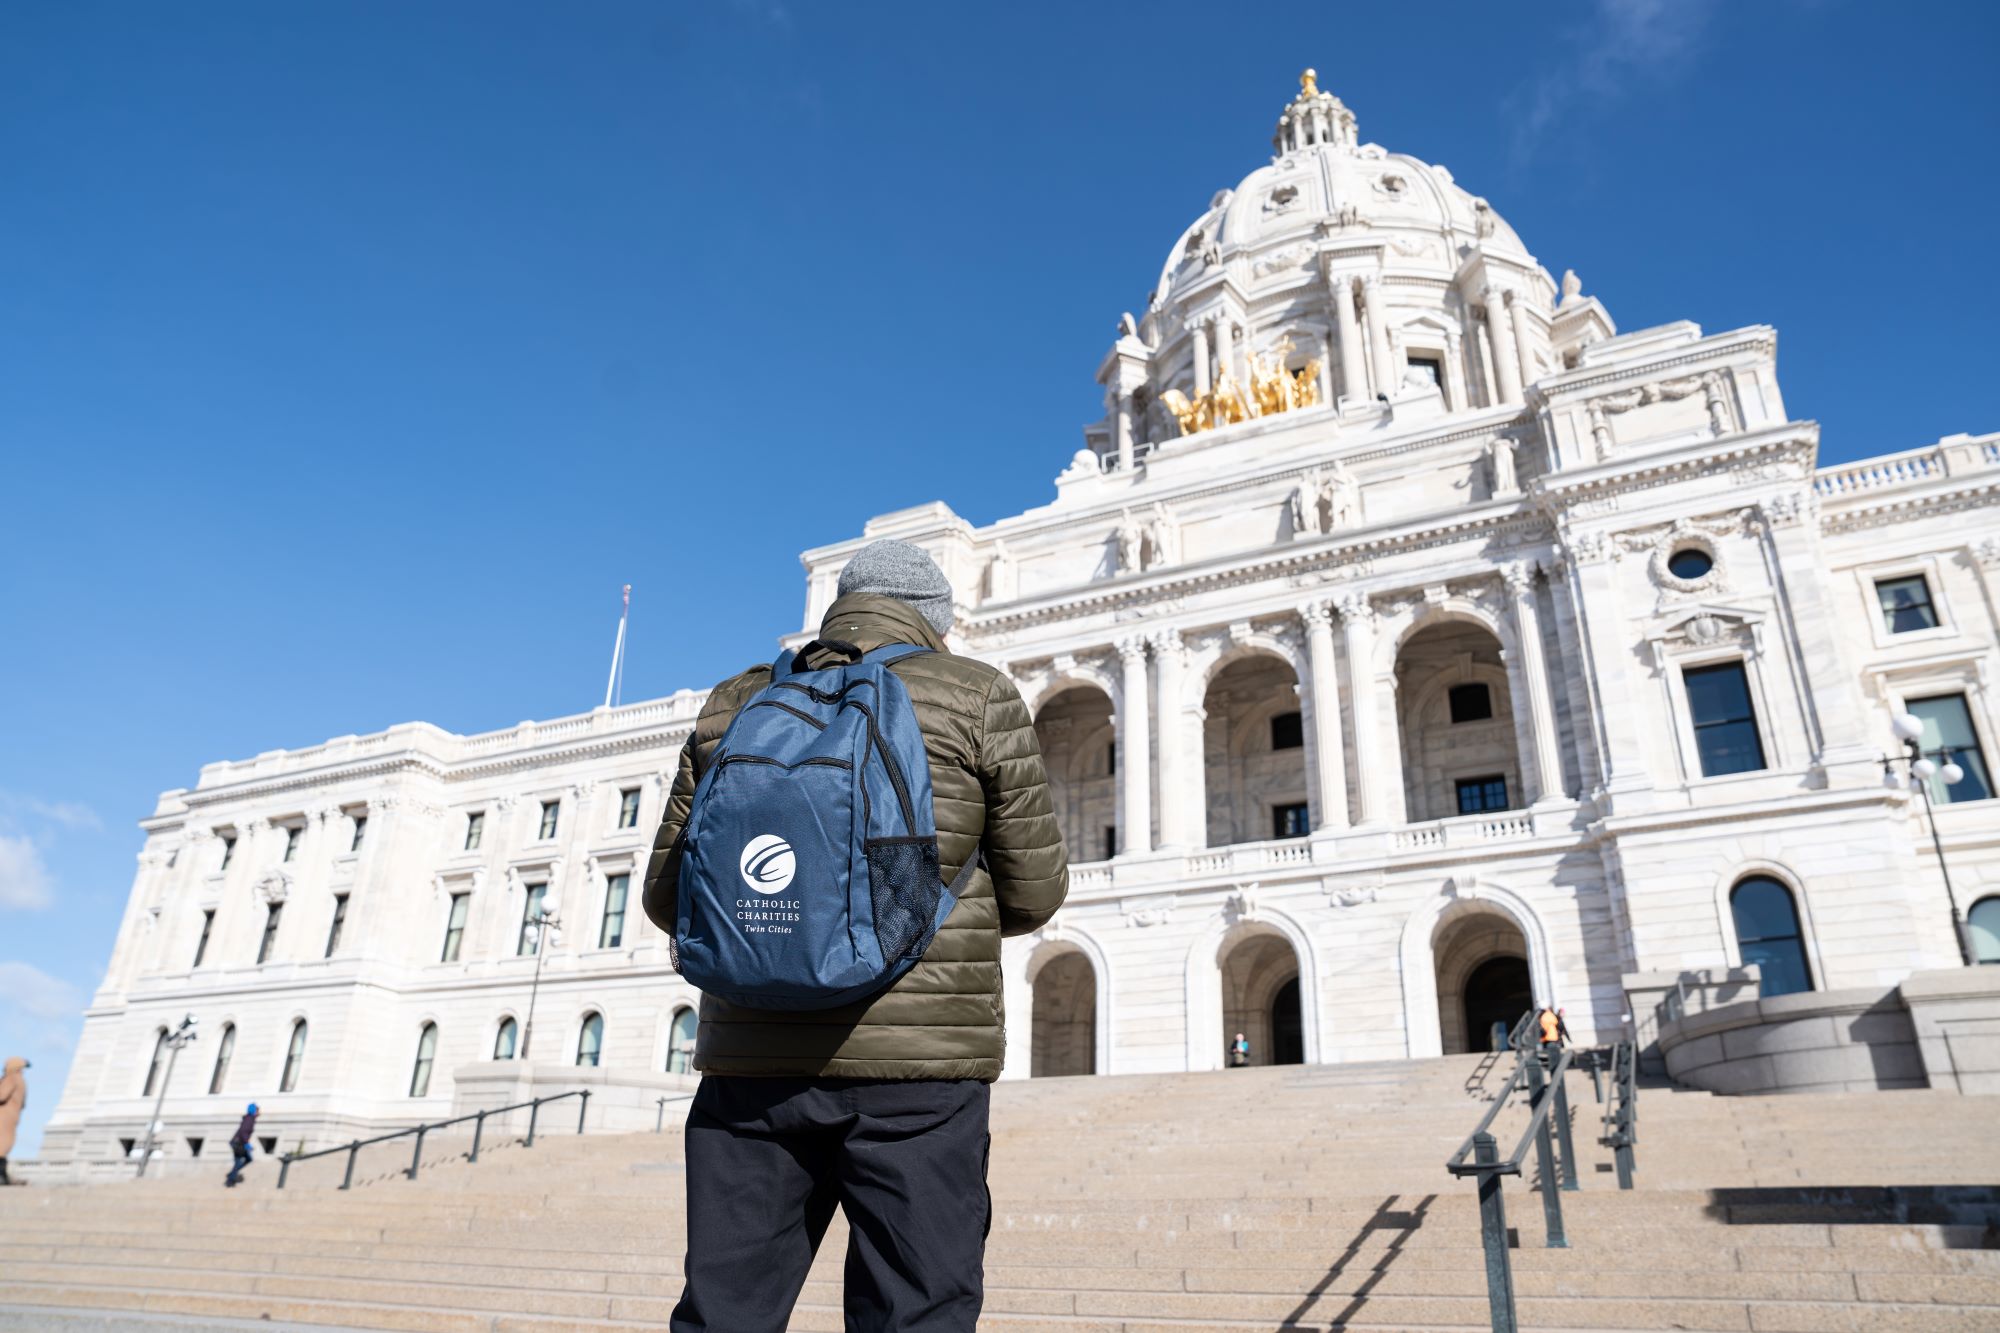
point(768, 864)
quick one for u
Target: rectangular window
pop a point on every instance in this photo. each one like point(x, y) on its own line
point(628, 808)
point(292, 841)
point(228, 849)
point(550, 809)
point(1432, 368)
point(1110, 841)
point(531, 934)
point(1477, 796)
point(270, 932)
point(1906, 604)
point(1288, 731)
point(360, 831)
point(1948, 735)
point(339, 923)
point(1290, 821)
point(454, 930)
point(475, 829)
point(612, 933)
point(1725, 725)
point(201, 945)
point(1111, 758)
point(1472, 702)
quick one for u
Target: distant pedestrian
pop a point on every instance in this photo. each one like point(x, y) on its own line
point(1553, 1034)
point(1239, 1052)
point(13, 1098)
point(239, 1144)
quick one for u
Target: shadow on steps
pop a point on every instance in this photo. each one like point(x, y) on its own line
point(1967, 1216)
point(1402, 1224)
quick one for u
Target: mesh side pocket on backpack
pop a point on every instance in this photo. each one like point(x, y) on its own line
point(903, 878)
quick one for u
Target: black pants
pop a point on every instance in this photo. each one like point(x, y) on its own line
point(769, 1158)
point(242, 1152)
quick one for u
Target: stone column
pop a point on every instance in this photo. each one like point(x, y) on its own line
point(1357, 625)
point(1506, 362)
point(1353, 380)
point(1169, 661)
point(1198, 330)
point(1542, 766)
point(1836, 715)
point(1454, 372)
point(1601, 631)
point(1225, 349)
point(1330, 763)
point(1376, 313)
point(1135, 764)
point(1121, 428)
point(1523, 342)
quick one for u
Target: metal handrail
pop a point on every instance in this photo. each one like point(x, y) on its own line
point(1621, 1111)
point(1555, 1155)
point(353, 1150)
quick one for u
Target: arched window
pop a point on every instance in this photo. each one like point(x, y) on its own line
point(503, 1041)
point(222, 1056)
point(680, 1042)
point(295, 1056)
point(427, 1045)
point(154, 1069)
point(1984, 922)
point(1767, 933)
point(590, 1041)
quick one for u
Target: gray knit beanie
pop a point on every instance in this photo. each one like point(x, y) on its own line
point(897, 569)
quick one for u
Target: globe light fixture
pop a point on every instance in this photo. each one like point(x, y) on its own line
point(1925, 769)
point(1908, 727)
point(1951, 773)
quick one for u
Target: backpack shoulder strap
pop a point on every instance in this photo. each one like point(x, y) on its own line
point(893, 652)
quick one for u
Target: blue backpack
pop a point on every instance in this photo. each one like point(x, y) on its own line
point(809, 871)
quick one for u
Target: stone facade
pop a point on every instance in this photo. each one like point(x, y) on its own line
point(1382, 523)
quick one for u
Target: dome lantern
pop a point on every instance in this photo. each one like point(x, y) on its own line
point(1313, 117)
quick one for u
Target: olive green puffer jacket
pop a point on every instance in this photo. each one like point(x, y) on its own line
point(944, 1019)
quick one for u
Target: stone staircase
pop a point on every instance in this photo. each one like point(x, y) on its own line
point(1248, 1200)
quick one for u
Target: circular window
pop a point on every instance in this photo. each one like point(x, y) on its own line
point(1690, 563)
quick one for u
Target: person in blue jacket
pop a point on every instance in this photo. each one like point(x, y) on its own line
point(239, 1144)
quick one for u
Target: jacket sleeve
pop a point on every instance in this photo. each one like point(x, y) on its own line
point(663, 867)
point(1024, 848)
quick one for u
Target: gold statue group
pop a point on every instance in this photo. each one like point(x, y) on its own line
point(1273, 389)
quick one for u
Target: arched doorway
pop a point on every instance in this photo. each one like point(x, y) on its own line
point(1455, 718)
point(1260, 996)
point(1253, 752)
point(1063, 1027)
point(1079, 747)
point(1482, 974)
point(1497, 992)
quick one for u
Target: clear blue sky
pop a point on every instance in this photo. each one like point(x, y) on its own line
point(352, 355)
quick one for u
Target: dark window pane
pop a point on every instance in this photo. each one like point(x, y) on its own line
point(1948, 734)
point(1984, 921)
point(1477, 796)
point(1689, 563)
point(1470, 703)
point(475, 829)
point(1290, 821)
point(1906, 604)
point(1110, 841)
point(628, 808)
point(1725, 727)
point(1767, 934)
point(1287, 732)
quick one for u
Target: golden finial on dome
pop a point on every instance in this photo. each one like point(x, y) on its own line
point(1309, 83)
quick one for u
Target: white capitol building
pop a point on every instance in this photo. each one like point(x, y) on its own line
point(1406, 644)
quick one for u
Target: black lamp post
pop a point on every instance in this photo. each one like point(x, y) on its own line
point(1909, 729)
point(543, 919)
point(176, 1039)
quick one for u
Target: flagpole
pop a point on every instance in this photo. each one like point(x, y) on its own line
point(618, 648)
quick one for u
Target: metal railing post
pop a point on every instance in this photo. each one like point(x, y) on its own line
point(660, 1119)
point(284, 1169)
point(478, 1129)
point(1597, 1079)
point(1493, 1236)
point(583, 1110)
point(353, 1151)
point(534, 1110)
point(1561, 1114)
point(417, 1157)
point(1545, 1160)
